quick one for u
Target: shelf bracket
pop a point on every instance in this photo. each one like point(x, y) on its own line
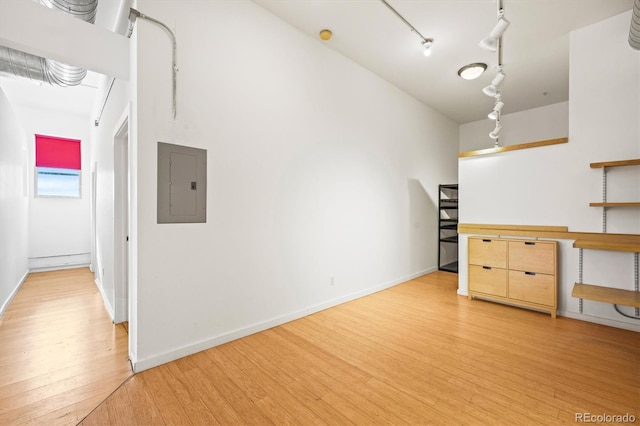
point(604, 199)
point(580, 260)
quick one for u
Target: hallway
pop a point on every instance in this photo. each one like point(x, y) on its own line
point(60, 355)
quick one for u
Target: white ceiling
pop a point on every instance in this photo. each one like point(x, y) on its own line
point(535, 54)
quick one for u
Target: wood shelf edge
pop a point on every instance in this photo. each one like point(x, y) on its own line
point(513, 147)
point(539, 231)
point(520, 227)
point(606, 294)
point(608, 245)
point(616, 204)
point(618, 163)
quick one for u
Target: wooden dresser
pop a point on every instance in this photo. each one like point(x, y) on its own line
point(514, 271)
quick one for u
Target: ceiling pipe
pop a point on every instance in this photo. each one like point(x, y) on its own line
point(634, 30)
point(15, 63)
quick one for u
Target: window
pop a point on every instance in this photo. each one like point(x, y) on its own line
point(57, 167)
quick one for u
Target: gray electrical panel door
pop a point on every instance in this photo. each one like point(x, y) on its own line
point(182, 184)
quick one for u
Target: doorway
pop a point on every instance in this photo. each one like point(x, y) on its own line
point(121, 219)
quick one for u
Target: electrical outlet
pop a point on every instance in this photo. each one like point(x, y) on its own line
point(331, 281)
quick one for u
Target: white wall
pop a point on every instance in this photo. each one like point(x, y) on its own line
point(318, 172)
point(537, 124)
point(59, 228)
point(14, 204)
point(553, 185)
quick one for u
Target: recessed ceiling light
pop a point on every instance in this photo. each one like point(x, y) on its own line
point(472, 71)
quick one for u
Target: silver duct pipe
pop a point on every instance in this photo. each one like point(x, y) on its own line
point(14, 63)
point(634, 31)
point(81, 9)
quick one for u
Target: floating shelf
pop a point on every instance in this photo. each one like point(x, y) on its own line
point(620, 163)
point(616, 204)
point(608, 245)
point(513, 147)
point(606, 294)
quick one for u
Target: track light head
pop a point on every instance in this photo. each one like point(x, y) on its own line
point(427, 43)
point(498, 79)
point(491, 91)
point(495, 134)
point(493, 115)
point(491, 43)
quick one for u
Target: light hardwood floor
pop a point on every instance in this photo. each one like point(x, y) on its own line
point(60, 355)
point(413, 354)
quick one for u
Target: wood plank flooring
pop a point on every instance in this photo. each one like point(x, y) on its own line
point(60, 355)
point(413, 354)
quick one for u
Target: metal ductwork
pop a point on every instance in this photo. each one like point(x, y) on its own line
point(15, 63)
point(634, 31)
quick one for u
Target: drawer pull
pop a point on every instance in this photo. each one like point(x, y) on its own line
point(486, 241)
point(486, 267)
point(529, 273)
point(529, 243)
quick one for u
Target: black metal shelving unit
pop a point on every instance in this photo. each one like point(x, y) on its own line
point(448, 227)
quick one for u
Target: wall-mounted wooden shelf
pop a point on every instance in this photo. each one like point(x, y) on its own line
point(616, 204)
point(620, 163)
point(559, 232)
point(513, 147)
point(606, 294)
point(608, 245)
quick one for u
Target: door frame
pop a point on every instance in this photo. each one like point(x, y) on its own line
point(122, 209)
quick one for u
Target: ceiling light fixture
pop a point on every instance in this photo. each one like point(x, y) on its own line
point(492, 89)
point(494, 43)
point(495, 134)
point(426, 42)
point(472, 71)
point(495, 114)
point(491, 42)
point(427, 46)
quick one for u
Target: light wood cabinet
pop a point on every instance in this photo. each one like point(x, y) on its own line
point(518, 272)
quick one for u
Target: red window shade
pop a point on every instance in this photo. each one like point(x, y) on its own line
point(59, 153)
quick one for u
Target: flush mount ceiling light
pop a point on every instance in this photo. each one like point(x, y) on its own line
point(472, 71)
point(426, 42)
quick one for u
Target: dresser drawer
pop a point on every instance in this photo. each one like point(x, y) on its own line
point(532, 287)
point(488, 252)
point(488, 280)
point(533, 256)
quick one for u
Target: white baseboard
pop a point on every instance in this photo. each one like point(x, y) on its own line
point(6, 304)
point(107, 305)
point(602, 321)
point(172, 355)
point(52, 263)
point(352, 296)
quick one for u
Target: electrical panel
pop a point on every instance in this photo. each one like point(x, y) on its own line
point(182, 184)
